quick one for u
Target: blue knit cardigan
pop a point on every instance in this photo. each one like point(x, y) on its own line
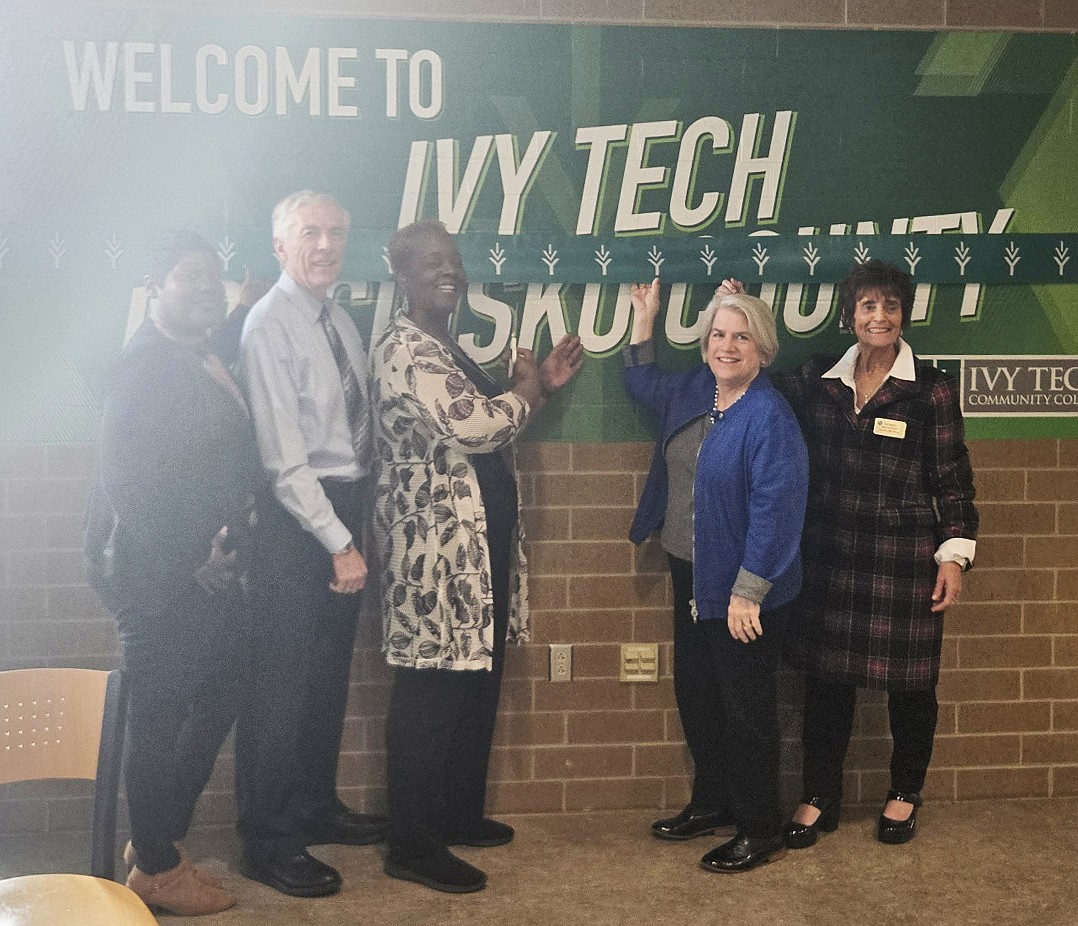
point(750, 491)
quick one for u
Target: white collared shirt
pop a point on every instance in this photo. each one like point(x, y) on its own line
point(957, 549)
point(902, 368)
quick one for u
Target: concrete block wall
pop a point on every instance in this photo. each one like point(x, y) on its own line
point(1009, 689)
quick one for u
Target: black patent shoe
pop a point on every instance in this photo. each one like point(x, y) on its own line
point(896, 832)
point(742, 853)
point(297, 874)
point(803, 835)
point(689, 825)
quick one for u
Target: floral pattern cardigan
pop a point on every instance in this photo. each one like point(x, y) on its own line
point(429, 522)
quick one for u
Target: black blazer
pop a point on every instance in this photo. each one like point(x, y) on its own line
point(178, 462)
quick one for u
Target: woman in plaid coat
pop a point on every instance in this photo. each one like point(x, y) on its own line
point(890, 528)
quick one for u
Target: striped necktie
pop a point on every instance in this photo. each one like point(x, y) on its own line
point(355, 397)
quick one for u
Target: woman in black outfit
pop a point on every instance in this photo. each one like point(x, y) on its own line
point(166, 542)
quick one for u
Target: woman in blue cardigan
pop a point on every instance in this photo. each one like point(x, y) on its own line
point(727, 489)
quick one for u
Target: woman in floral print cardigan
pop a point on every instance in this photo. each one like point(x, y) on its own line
point(453, 569)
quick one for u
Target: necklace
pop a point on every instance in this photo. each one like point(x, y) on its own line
point(866, 386)
point(717, 413)
point(867, 382)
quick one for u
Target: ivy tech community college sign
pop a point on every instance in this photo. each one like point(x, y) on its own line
point(1036, 386)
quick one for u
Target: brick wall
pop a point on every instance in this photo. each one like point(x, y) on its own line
point(1009, 690)
point(1009, 687)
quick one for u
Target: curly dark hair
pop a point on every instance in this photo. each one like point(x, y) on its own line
point(875, 274)
point(402, 246)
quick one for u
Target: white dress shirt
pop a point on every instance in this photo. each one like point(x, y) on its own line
point(297, 401)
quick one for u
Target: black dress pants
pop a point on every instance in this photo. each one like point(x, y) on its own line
point(288, 737)
point(184, 665)
point(440, 727)
point(828, 722)
point(728, 704)
point(696, 694)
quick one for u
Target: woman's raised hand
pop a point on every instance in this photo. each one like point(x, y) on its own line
point(561, 363)
point(731, 286)
point(645, 299)
point(525, 379)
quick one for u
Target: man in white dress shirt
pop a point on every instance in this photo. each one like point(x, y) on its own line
point(304, 368)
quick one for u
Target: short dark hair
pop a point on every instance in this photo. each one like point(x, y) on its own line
point(875, 274)
point(168, 248)
point(402, 246)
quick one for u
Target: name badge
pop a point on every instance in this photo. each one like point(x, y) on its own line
point(888, 427)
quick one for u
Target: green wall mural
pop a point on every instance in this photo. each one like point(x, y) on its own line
point(570, 160)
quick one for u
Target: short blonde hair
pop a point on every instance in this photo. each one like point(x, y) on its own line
point(757, 315)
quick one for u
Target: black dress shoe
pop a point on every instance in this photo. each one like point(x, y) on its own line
point(298, 874)
point(742, 853)
point(482, 833)
point(348, 828)
point(689, 824)
point(439, 869)
point(803, 835)
point(896, 832)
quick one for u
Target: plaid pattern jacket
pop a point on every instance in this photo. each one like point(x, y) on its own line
point(879, 507)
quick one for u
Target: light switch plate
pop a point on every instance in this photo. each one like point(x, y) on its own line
point(639, 662)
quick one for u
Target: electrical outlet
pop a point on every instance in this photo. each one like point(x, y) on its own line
point(639, 662)
point(561, 662)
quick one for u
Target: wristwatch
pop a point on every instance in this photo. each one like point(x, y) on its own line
point(348, 546)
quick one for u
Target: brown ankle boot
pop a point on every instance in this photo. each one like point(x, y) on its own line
point(179, 891)
point(131, 860)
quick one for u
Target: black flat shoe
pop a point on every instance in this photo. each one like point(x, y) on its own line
point(742, 853)
point(439, 869)
point(298, 874)
point(348, 828)
point(896, 832)
point(689, 825)
point(803, 835)
point(483, 833)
